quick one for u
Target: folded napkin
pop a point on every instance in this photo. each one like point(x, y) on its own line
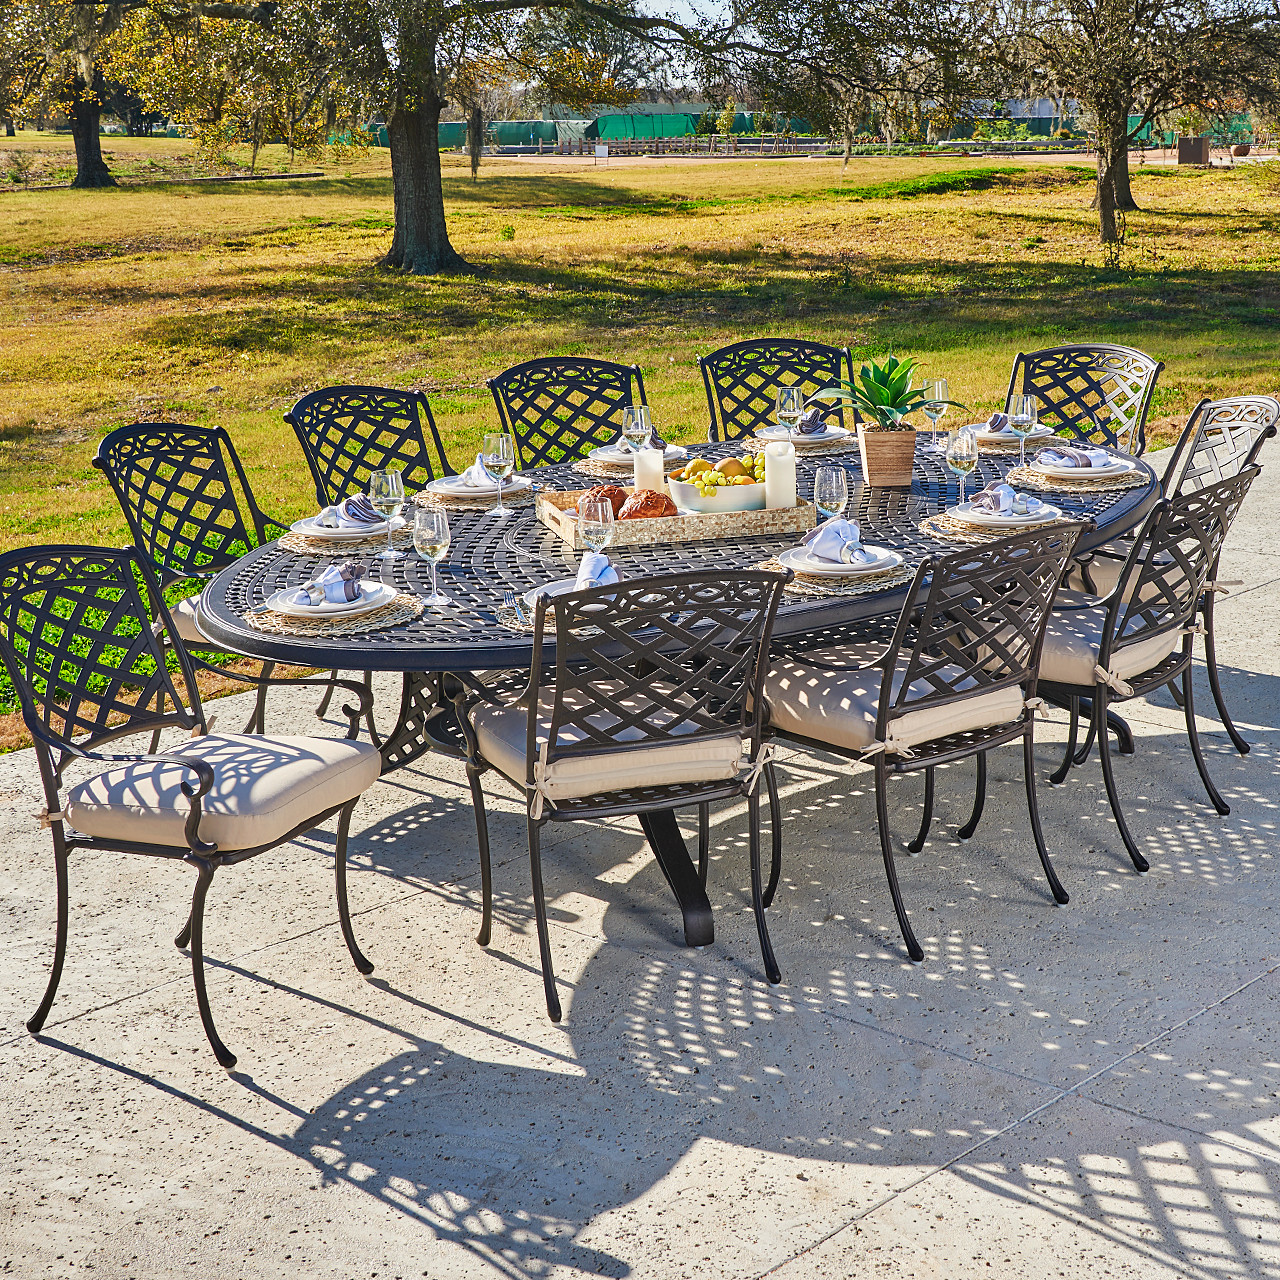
point(350, 513)
point(1065, 455)
point(478, 476)
point(838, 542)
point(1004, 500)
point(998, 425)
point(811, 424)
point(338, 584)
point(595, 571)
point(655, 441)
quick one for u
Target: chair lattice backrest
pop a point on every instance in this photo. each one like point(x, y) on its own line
point(559, 409)
point(1221, 438)
point(981, 624)
point(742, 381)
point(76, 635)
point(1095, 393)
point(1167, 568)
point(348, 433)
point(656, 659)
point(174, 484)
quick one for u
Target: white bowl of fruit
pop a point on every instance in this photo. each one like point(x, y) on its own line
point(732, 484)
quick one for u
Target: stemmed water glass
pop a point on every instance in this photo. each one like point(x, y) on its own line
point(935, 407)
point(962, 455)
point(791, 404)
point(386, 494)
point(500, 461)
point(1023, 412)
point(595, 523)
point(431, 540)
point(636, 425)
point(831, 491)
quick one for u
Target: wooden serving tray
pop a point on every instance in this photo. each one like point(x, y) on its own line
point(659, 530)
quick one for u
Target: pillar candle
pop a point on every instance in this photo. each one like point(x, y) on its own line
point(779, 474)
point(648, 470)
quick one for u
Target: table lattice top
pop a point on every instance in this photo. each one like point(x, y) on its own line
point(489, 555)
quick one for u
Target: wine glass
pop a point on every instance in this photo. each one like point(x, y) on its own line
point(935, 407)
point(1023, 412)
point(791, 403)
point(962, 455)
point(595, 523)
point(431, 540)
point(500, 460)
point(636, 425)
point(831, 491)
point(386, 493)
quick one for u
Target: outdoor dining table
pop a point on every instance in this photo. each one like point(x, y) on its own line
point(490, 555)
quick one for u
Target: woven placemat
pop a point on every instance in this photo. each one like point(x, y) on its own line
point(450, 502)
point(947, 529)
point(309, 546)
point(804, 451)
point(1052, 484)
point(620, 470)
point(807, 584)
point(404, 608)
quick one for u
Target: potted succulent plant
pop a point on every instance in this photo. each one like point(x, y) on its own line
point(884, 395)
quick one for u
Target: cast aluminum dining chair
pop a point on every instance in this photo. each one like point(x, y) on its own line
point(742, 381)
point(348, 433)
point(81, 634)
point(1221, 439)
point(190, 508)
point(957, 679)
point(558, 409)
point(653, 703)
point(1092, 392)
point(1138, 638)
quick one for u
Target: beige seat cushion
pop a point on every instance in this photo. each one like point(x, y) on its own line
point(839, 707)
point(1073, 641)
point(502, 734)
point(184, 618)
point(263, 787)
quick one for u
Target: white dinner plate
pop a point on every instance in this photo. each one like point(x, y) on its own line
point(618, 457)
point(313, 530)
point(1007, 437)
point(454, 487)
point(802, 560)
point(1010, 521)
point(373, 595)
point(780, 432)
point(1120, 467)
point(556, 588)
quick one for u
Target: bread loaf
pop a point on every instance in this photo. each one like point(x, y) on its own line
point(645, 504)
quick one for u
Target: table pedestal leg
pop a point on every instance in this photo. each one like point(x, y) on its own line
point(663, 834)
point(427, 722)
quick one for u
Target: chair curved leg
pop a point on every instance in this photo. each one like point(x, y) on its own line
point(204, 878)
point(362, 962)
point(775, 833)
point(979, 800)
point(1060, 895)
point(1193, 734)
point(1176, 692)
point(771, 970)
point(1083, 754)
point(1215, 685)
point(704, 842)
point(37, 1019)
point(1058, 776)
point(258, 718)
point(1109, 779)
point(540, 913)
point(323, 706)
point(486, 870)
point(926, 818)
point(184, 935)
point(914, 949)
point(368, 715)
point(1124, 735)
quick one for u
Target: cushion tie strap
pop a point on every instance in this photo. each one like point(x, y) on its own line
point(47, 819)
point(198, 731)
point(1037, 704)
point(758, 766)
point(891, 747)
point(1112, 681)
point(1195, 629)
point(540, 797)
point(1223, 586)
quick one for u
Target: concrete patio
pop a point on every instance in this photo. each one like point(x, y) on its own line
point(1084, 1091)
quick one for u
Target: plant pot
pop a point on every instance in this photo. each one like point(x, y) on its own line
point(888, 457)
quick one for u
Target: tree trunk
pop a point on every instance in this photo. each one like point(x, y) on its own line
point(475, 138)
point(85, 116)
point(420, 244)
point(9, 131)
point(1112, 192)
